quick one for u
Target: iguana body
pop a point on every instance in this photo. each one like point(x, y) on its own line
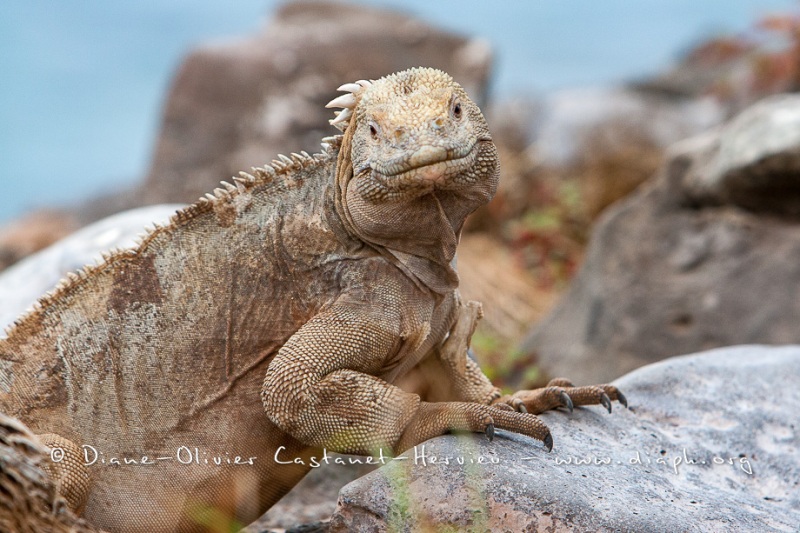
point(316, 283)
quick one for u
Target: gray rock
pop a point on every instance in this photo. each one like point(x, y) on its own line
point(27, 280)
point(571, 119)
point(311, 501)
point(752, 162)
point(32, 232)
point(671, 270)
point(734, 412)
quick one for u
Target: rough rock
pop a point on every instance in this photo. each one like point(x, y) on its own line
point(706, 254)
point(28, 499)
point(571, 119)
point(235, 105)
point(737, 70)
point(33, 232)
point(753, 162)
point(311, 501)
point(606, 139)
point(733, 411)
point(29, 279)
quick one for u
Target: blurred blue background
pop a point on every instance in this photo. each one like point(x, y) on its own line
point(83, 81)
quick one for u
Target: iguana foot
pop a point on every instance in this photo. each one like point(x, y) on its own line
point(561, 392)
point(435, 419)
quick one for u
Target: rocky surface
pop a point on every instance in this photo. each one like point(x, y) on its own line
point(611, 139)
point(29, 279)
point(235, 105)
point(737, 69)
point(753, 162)
point(311, 501)
point(31, 233)
point(707, 254)
point(570, 120)
point(733, 411)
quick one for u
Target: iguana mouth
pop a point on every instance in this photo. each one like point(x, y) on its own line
point(430, 163)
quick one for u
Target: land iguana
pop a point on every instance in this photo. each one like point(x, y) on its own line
point(203, 371)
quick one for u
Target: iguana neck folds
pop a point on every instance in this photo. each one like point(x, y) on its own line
point(416, 158)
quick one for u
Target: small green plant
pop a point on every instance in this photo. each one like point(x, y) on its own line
point(503, 363)
point(214, 519)
point(400, 512)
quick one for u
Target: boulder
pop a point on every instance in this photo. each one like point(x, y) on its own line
point(705, 254)
point(572, 120)
point(310, 502)
point(238, 104)
point(709, 444)
point(753, 162)
point(33, 232)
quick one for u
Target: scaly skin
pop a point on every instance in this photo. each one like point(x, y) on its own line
point(318, 282)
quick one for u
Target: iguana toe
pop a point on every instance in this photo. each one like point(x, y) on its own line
point(518, 405)
point(560, 393)
point(548, 442)
point(567, 401)
point(606, 401)
point(622, 399)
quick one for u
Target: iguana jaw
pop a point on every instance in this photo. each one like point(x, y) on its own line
point(425, 171)
point(433, 165)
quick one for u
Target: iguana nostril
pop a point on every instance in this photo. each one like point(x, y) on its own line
point(400, 135)
point(437, 123)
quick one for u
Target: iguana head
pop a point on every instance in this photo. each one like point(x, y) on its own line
point(416, 158)
point(415, 132)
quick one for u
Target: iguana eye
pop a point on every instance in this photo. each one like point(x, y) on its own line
point(373, 130)
point(457, 109)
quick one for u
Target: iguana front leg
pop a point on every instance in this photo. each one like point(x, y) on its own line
point(320, 389)
point(468, 383)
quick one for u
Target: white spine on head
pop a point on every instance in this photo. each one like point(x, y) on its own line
point(347, 102)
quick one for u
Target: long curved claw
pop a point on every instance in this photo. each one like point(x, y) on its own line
point(517, 405)
point(490, 432)
point(548, 442)
point(567, 401)
point(606, 401)
point(622, 399)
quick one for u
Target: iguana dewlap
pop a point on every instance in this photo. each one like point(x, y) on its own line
point(273, 316)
